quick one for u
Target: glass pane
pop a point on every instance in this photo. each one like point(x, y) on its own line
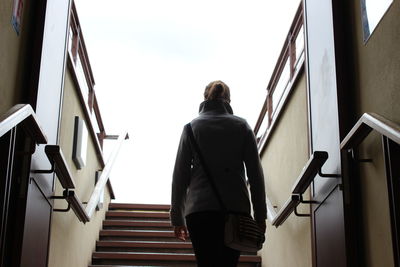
point(95, 123)
point(299, 43)
point(263, 127)
point(281, 86)
point(82, 80)
point(300, 59)
point(372, 12)
point(70, 39)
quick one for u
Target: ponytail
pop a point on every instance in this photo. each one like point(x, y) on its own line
point(217, 90)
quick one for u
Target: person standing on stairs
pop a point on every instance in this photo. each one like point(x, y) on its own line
point(228, 146)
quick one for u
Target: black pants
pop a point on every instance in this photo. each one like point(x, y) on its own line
point(206, 231)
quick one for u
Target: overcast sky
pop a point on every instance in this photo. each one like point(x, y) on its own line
point(151, 61)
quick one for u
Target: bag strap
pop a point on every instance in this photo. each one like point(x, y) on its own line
point(202, 162)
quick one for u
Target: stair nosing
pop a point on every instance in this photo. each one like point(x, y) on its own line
point(161, 256)
point(137, 223)
point(137, 214)
point(146, 244)
point(136, 206)
point(137, 233)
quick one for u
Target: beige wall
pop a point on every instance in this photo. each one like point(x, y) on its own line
point(283, 159)
point(11, 53)
point(73, 242)
point(377, 85)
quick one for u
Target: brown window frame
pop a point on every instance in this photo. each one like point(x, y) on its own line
point(89, 102)
point(270, 114)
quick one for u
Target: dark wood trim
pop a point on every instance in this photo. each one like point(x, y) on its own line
point(127, 206)
point(288, 52)
point(110, 189)
point(391, 152)
point(136, 233)
point(57, 160)
point(128, 214)
point(281, 62)
point(82, 49)
point(143, 244)
point(137, 224)
point(160, 256)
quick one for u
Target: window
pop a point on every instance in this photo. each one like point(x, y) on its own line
point(81, 70)
point(372, 12)
point(288, 66)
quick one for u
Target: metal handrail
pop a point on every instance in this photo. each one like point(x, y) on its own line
point(94, 198)
point(271, 213)
point(310, 170)
point(287, 209)
point(307, 175)
point(367, 123)
point(22, 114)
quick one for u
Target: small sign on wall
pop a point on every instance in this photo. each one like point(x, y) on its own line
point(79, 149)
point(17, 15)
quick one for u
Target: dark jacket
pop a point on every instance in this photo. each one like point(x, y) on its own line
point(227, 143)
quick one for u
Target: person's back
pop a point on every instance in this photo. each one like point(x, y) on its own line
point(222, 138)
point(226, 143)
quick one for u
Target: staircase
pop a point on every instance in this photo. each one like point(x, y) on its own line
point(136, 235)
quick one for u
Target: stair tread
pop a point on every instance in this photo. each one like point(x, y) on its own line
point(136, 223)
point(123, 266)
point(149, 244)
point(161, 256)
point(135, 206)
point(136, 232)
point(139, 235)
point(137, 214)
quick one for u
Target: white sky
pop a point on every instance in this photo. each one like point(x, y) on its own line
point(151, 61)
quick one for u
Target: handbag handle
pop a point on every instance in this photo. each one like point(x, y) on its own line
point(202, 162)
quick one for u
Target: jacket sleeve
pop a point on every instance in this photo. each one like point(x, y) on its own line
point(180, 180)
point(255, 176)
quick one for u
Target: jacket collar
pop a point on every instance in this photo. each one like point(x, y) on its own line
point(217, 106)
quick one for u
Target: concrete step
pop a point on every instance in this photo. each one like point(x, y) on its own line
point(137, 224)
point(144, 246)
point(139, 207)
point(137, 235)
point(159, 259)
point(132, 215)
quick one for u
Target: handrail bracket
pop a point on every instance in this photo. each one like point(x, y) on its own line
point(326, 175)
point(53, 167)
point(300, 214)
point(355, 158)
point(64, 197)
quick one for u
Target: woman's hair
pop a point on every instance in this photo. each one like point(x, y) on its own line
point(217, 90)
